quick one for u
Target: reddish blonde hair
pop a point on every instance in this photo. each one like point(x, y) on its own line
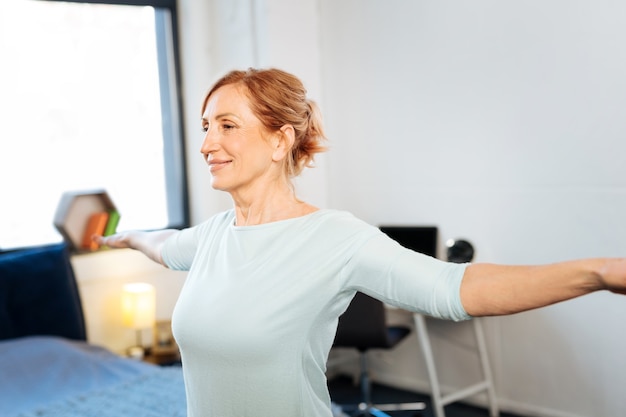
point(278, 98)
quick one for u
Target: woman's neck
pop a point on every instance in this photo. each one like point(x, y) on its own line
point(278, 203)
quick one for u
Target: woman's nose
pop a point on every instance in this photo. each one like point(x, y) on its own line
point(209, 144)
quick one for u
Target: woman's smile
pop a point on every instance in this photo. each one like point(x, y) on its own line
point(217, 164)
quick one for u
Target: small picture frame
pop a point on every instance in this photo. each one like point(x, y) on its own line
point(164, 343)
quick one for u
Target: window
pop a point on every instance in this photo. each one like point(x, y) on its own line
point(89, 101)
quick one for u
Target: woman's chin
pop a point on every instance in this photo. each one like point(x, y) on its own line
point(218, 185)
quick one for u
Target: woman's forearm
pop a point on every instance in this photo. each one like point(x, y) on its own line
point(489, 289)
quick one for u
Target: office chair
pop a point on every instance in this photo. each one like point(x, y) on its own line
point(363, 327)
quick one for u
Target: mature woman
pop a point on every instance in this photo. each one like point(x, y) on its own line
point(269, 278)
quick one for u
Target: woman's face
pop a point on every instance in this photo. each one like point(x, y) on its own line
point(237, 147)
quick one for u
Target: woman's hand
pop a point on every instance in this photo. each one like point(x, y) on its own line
point(149, 243)
point(118, 240)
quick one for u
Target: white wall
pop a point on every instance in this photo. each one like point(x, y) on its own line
point(501, 122)
point(498, 121)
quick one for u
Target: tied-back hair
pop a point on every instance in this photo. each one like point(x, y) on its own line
point(279, 98)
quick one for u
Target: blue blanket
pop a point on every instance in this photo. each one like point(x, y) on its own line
point(52, 376)
point(158, 393)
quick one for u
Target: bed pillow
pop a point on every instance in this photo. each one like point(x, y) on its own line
point(38, 294)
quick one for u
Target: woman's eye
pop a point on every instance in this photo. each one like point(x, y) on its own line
point(223, 127)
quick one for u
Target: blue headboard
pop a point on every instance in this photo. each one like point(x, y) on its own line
point(39, 295)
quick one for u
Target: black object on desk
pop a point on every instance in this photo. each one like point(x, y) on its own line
point(423, 239)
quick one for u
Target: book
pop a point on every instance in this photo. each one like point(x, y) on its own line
point(95, 226)
point(111, 227)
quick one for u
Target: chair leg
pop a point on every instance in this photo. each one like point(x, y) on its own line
point(366, 389)
point(366, 407)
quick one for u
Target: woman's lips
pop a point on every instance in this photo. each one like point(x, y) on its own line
point(217, 164)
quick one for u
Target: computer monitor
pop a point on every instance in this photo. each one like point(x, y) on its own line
point(423, 239)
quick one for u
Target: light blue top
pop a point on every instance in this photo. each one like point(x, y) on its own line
point(257, 315)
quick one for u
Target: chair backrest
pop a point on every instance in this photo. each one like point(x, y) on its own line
point(363, 325)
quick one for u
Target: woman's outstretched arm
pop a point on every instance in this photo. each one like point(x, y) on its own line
point(489, 289)
point(149, 243)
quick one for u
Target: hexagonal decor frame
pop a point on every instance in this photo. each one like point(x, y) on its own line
point(73, 213)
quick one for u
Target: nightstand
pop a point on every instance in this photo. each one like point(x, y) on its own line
point(162, 359)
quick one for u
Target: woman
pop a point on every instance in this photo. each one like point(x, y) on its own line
point(268, 279)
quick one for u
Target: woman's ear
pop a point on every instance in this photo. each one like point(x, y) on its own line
point(283, 143)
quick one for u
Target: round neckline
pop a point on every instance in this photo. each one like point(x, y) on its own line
point(274, 223)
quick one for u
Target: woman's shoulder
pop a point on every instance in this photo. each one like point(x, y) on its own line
point(222, 218)
point(338, 215)
point(343, 220)
point(218, 221)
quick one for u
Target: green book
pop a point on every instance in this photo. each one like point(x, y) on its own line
point(114, 219)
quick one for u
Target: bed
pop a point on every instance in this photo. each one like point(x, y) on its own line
point(47, 366)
